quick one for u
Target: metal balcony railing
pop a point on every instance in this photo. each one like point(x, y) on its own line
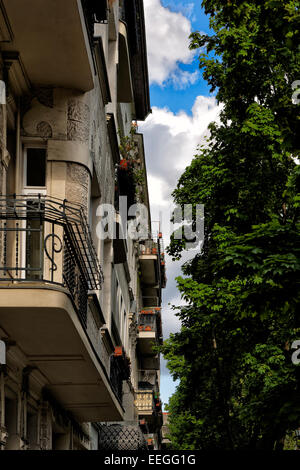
point(95, 11)
point(149, 320)
point(148, 247)
point(151, 247)
point(44, 239)
point(145, 401)
point(119, 371)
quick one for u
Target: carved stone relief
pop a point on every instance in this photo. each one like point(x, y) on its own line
point(44, 130)
point(43, 121)
point(77, 187)
point(78, 121)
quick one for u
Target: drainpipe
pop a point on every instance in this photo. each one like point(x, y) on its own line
point(18, 151)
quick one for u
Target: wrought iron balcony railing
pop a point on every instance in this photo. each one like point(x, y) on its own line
point(119, 371)
point(149, 320)
point(44, 239)
point(151, 247)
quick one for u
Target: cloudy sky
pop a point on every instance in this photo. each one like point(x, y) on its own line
point(182, 107)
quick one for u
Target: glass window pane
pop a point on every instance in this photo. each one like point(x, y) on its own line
point(36, 167)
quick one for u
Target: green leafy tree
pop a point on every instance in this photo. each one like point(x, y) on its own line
point(238, 387)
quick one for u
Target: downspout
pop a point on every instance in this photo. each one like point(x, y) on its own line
point(18, 151)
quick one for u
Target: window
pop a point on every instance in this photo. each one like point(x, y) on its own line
point(35, 167)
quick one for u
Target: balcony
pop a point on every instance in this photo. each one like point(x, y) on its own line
point(124, 88)
point(149, 407)
point(48, 265)
point(125, 183)
point(119, 370)
point(163, 278)
point(145, 402)
point(119, 242)
point(133, 14)
point(149, 335)
point(48, 240)
point(94, 12)
point(53, 47)
point(149, 258)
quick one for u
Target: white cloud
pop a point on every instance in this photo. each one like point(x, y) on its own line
point(157, 191)
point(171, 322)
point(171, 141)
point(168, 45)
point(182, 79)
point(187, 9)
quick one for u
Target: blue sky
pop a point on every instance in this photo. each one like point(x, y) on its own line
point(167, 94)
point(182, 108)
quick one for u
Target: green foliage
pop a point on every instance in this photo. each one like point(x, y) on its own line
point(238, 387)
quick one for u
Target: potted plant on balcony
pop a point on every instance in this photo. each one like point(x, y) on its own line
point(123, 361)
point(128, 146)
point(130, 162)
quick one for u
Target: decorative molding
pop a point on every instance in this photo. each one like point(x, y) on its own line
point(78, 121)
point(44, 130)
point(15, 71)
point(107, 341)
point(96, 310)
point(77, 184)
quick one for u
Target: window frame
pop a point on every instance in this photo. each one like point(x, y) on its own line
point(33, 189)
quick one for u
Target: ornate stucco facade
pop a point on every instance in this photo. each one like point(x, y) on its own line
point(79, 315)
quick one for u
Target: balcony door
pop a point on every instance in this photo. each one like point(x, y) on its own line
point(35, 164)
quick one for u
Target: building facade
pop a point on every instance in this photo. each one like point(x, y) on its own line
point(80, 298)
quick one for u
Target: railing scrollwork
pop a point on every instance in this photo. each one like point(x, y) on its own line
point(53, 237)
point(44, 239)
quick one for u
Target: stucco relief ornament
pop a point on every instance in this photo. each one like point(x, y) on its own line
point(44, 130)
point(78, 121)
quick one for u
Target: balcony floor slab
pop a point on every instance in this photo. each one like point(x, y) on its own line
point(45, 326)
